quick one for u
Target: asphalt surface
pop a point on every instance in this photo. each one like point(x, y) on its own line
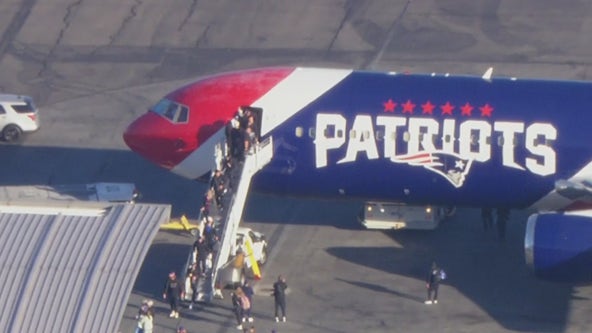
point(95, 65)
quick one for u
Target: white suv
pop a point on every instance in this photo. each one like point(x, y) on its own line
point(18, 115)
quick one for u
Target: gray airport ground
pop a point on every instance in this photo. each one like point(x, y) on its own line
point(95, 65)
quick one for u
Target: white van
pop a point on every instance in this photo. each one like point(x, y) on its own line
point(389, 215)
point(18, 115)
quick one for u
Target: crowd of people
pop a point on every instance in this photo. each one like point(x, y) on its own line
point(242, 137)
point(241, 298)
point(242, 302)
point(242, 133)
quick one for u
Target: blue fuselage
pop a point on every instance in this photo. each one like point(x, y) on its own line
point(433, 139)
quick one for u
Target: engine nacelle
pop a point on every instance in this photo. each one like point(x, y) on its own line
point(558, 246)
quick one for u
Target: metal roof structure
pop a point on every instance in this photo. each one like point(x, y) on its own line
point(72, 268)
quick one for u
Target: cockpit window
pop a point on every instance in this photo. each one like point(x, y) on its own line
point(174, 112)
point(183, 115)
point(171, 111)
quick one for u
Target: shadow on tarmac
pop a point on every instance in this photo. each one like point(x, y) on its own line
point(490, 272)
point(265, 208)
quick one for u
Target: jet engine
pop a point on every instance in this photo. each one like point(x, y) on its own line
point(558, 246)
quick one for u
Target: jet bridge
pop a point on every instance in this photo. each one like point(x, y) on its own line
point(228, 221)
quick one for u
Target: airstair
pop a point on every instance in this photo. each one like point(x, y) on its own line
point(209, 286)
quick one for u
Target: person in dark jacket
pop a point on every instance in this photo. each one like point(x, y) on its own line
point(432, 283)
point(173, 291)
point(487, 217)
point(203, 250)
point(279, 295)
point(503, 215)
point(237, 309)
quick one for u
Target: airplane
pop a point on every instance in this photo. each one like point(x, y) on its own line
point(439, 139)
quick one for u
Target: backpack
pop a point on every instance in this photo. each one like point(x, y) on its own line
point(245, 303)
point(442, 274)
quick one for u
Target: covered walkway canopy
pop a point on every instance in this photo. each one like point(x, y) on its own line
point(72, 268)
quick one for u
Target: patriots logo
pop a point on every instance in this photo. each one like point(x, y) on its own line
point(448, 165)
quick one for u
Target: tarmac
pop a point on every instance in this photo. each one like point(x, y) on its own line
point(94, 65)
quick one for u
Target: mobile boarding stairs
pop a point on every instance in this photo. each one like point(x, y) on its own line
point(210, 285)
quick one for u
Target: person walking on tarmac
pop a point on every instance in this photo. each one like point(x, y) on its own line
point(173, 291)
point(487, 217)
point(248, 291)
point(503, 215)
point(279, 295)
point(434, 277)
point(202, 254)
point(237, 309)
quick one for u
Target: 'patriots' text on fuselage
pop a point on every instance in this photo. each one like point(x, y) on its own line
point(420, 135)
point(361, 146)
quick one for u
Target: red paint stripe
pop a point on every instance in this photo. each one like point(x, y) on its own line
point(215, 100)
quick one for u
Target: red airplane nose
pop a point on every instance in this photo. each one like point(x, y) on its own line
point(158, 140)
point(192, 115)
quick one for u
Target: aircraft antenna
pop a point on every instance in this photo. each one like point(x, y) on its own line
point(487, 74)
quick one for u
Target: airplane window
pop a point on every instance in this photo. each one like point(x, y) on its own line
point(433, 138)
point(311, 133)
point(340, 134)
point(352, 134)
point(171, 111)
point(168, 109)
point(299, 131)
point(436, 138)
point(161, 106)
point(474, 139)
point(379, 135)
point(393, 135)
point(488, 140)
point(500, 140)
point(183, 115)
point(406, 136)
point(329, 131)
point(447, 138)
point(542, 141)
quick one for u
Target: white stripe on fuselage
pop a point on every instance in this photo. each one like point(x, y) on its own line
point(302, 87)
point(295, 92)
point(201, 160)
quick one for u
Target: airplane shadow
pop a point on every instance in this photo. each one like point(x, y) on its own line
point(26, 165)
point(490, 272)
point(265, 208)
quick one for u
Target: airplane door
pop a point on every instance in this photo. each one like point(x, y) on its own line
point(258, 113)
